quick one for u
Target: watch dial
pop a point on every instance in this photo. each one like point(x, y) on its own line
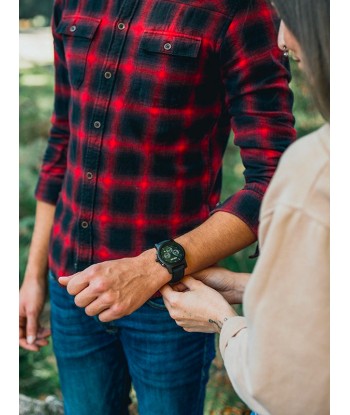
point(172, 254)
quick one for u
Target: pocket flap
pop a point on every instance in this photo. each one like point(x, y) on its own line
point(171, 43)
point(79, 26)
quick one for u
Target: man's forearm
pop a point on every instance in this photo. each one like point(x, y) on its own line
point(38, 253)
point(221, 235)
point(130, 282)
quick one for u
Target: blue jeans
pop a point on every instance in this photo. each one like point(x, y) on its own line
point(168, 367)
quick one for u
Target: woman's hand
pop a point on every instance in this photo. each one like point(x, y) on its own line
point(199, 309)
point(230, 285)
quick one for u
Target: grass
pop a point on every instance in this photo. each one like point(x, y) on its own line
point(38, 371)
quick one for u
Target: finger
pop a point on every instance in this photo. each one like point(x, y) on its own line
point(191, 283)
point(180, 287)
point(96, 307)
point(197, 328)
point(184, 325)
point(167, 304)
point(76, 283)
point(172, 298)
point(22, 326)
point(180, 322)
point(43, 333)
point(65, 280)
point(31, 328)
point(200, 275)
point(41, 342)
point(111, 313)
point(31, 347)
point(166, 291)
point(84, 298)
point(22, 332)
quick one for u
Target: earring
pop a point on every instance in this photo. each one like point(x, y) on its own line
point(285, 51)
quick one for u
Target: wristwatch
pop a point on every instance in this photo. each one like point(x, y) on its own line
point(171, 255)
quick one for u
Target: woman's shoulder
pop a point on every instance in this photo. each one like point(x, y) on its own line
point(302, 177)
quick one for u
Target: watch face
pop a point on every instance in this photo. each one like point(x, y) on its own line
point(171, 253)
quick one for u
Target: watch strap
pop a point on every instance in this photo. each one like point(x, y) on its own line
point(177, 273)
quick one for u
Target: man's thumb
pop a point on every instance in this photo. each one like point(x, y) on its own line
point(32, 327)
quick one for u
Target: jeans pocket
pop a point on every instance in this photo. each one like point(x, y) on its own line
point(157, 303)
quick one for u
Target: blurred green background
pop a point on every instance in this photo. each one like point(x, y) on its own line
point(38, 372)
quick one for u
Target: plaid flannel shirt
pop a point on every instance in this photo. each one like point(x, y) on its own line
point(146, 92)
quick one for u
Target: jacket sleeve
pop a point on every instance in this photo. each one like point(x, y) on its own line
point(55, 158)
point(255, 76)
point(277, 356)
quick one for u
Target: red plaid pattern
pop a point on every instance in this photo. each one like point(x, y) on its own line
point(145, 94)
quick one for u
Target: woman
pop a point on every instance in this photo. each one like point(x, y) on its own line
point(277, 356)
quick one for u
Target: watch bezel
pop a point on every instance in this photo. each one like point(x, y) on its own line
point(171, 243)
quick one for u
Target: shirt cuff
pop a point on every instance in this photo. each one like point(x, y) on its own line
point(48, 190)
point(245, 205)
point(230, 329)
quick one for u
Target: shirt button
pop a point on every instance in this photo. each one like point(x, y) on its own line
point(108, 75)
point(97, 124)
point(89, 175)
point(73, 28)
point(121, 26)
point(84, 224)
point(167, 46)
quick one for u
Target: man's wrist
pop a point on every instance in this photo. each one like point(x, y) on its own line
point(160, 274)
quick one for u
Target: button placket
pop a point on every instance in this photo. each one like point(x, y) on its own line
point(110, 72)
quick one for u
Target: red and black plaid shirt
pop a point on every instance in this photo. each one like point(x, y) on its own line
point(145, 94)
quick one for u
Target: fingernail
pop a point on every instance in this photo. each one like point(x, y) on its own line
point(30, 339)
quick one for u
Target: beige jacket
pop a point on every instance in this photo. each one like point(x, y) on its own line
point(277, 356)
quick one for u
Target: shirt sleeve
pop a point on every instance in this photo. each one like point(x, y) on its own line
point(255, 75)
point(55, 158)
point(277, 357)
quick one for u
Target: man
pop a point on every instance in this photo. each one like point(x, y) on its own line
point(145, 92)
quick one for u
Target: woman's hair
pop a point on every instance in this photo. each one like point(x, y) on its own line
point(309, 22)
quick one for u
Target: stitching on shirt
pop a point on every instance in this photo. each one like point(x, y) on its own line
point(80, 16)
point(199, 7)
point(175, 34)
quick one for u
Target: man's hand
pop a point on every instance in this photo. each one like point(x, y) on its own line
point(230, 285)
point(113, 289)
point(31, 302)
point(199, 309)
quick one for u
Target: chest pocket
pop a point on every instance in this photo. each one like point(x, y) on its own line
point(166, 64)
point(171, 44)
point(78, 33)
